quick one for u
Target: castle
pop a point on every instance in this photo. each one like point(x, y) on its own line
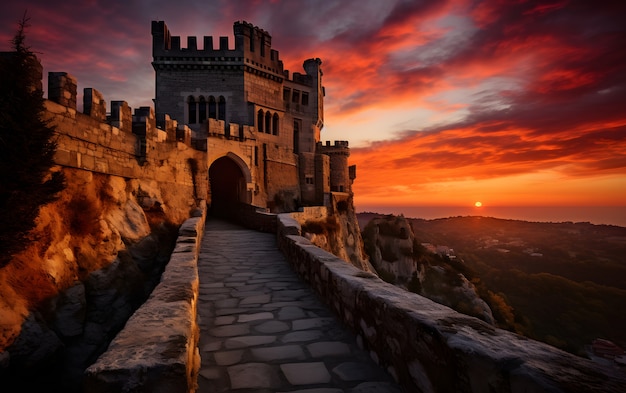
point(259, 126)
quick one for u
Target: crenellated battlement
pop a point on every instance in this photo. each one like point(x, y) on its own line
point(127, 143)
point(338, 147)
point(252, 51)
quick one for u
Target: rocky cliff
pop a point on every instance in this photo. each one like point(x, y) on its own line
point(400, 259)
point(96, 254)
point(335, 230)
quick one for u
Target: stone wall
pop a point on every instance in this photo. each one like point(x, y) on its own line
point(429, 347)
point(126, 145)
point(157, 351)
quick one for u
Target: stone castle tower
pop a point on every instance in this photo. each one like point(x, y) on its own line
point(260, 126)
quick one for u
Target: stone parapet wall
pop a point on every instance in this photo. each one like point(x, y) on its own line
point(256, 218)
point(157, 351)
point(432, 348)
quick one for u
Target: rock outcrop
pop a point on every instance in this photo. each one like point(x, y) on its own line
point(400, 259)
point(335, 230)
point(99, 251)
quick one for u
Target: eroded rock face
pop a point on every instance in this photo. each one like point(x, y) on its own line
point(99, 256)
point(337, 232)
point(399, 259)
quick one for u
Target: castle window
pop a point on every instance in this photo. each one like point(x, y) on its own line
point(202, 109)
point(268, 122)
point(192, 110)
point(308, 179)
point(263, 46)
point(305, 98)
point(286, 94)
point(275, 124)
point(259, 120)
point(221, 108)
point(212, 108)
point(295, 97)
point(296, 136)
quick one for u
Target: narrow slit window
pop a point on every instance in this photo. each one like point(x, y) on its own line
point(192, 111)
point(212, 108)
point(259, 120)
point(221, 109)
point(275, 124)
point(202, 109)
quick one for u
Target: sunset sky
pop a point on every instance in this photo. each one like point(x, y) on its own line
point(443, 102)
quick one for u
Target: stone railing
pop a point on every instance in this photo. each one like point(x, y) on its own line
point(428, 347)
point(157, 351)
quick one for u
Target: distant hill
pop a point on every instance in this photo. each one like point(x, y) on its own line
point(565, 281)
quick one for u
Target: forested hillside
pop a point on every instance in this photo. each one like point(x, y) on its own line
point(566, 281)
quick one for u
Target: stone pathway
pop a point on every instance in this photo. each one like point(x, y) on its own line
point(264, 330)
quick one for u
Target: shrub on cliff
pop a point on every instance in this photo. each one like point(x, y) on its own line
point(26, 147)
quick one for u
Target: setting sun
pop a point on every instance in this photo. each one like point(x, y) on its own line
point(478, 204)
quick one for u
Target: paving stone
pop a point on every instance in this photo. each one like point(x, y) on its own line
point(228, 358)
point(210, 373)
point(227, 303)
point(243, 274)
point(278, 353)
point(212, 346)
point(376, 387)
point(310, 323)
point(250, 293)
point(321, 390)
point(301, 336)
point(255, 317)
point(272, 327)
point(305, 373)
point(211, 291)
point(212, 285)
point(248, 341)
point(353, 371)
point(230, 311)
point(257, 299)
point(252, 376)
point(328, 348)
point(291, 312)
point(225, 320)
point(230, 330)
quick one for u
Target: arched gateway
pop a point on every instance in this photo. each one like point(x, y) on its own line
point(228, 177)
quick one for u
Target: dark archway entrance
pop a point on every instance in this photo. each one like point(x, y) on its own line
point(228, 187)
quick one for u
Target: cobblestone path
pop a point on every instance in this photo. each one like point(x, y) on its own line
point(264, 330)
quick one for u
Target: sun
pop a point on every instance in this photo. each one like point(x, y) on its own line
point(478, 204)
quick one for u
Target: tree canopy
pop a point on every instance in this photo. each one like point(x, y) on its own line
point(27, 147)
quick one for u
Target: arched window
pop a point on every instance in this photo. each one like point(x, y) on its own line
point(221, 108)
point(259, 120)
point(268, 122)
point(191, 102)
point(201, 109)
point(275, 124)
point(212, 108)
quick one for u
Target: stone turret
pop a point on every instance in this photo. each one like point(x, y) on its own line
point(340, 179)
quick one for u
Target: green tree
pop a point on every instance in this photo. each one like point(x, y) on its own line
point(26, 147)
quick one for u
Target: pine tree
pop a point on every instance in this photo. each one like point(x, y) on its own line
point(27, 147)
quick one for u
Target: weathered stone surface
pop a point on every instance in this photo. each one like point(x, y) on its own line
point(305, 373)
point(70, 311)
point(35, 344)
point(157, 349)
point(431, 347)
point(252, 376)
